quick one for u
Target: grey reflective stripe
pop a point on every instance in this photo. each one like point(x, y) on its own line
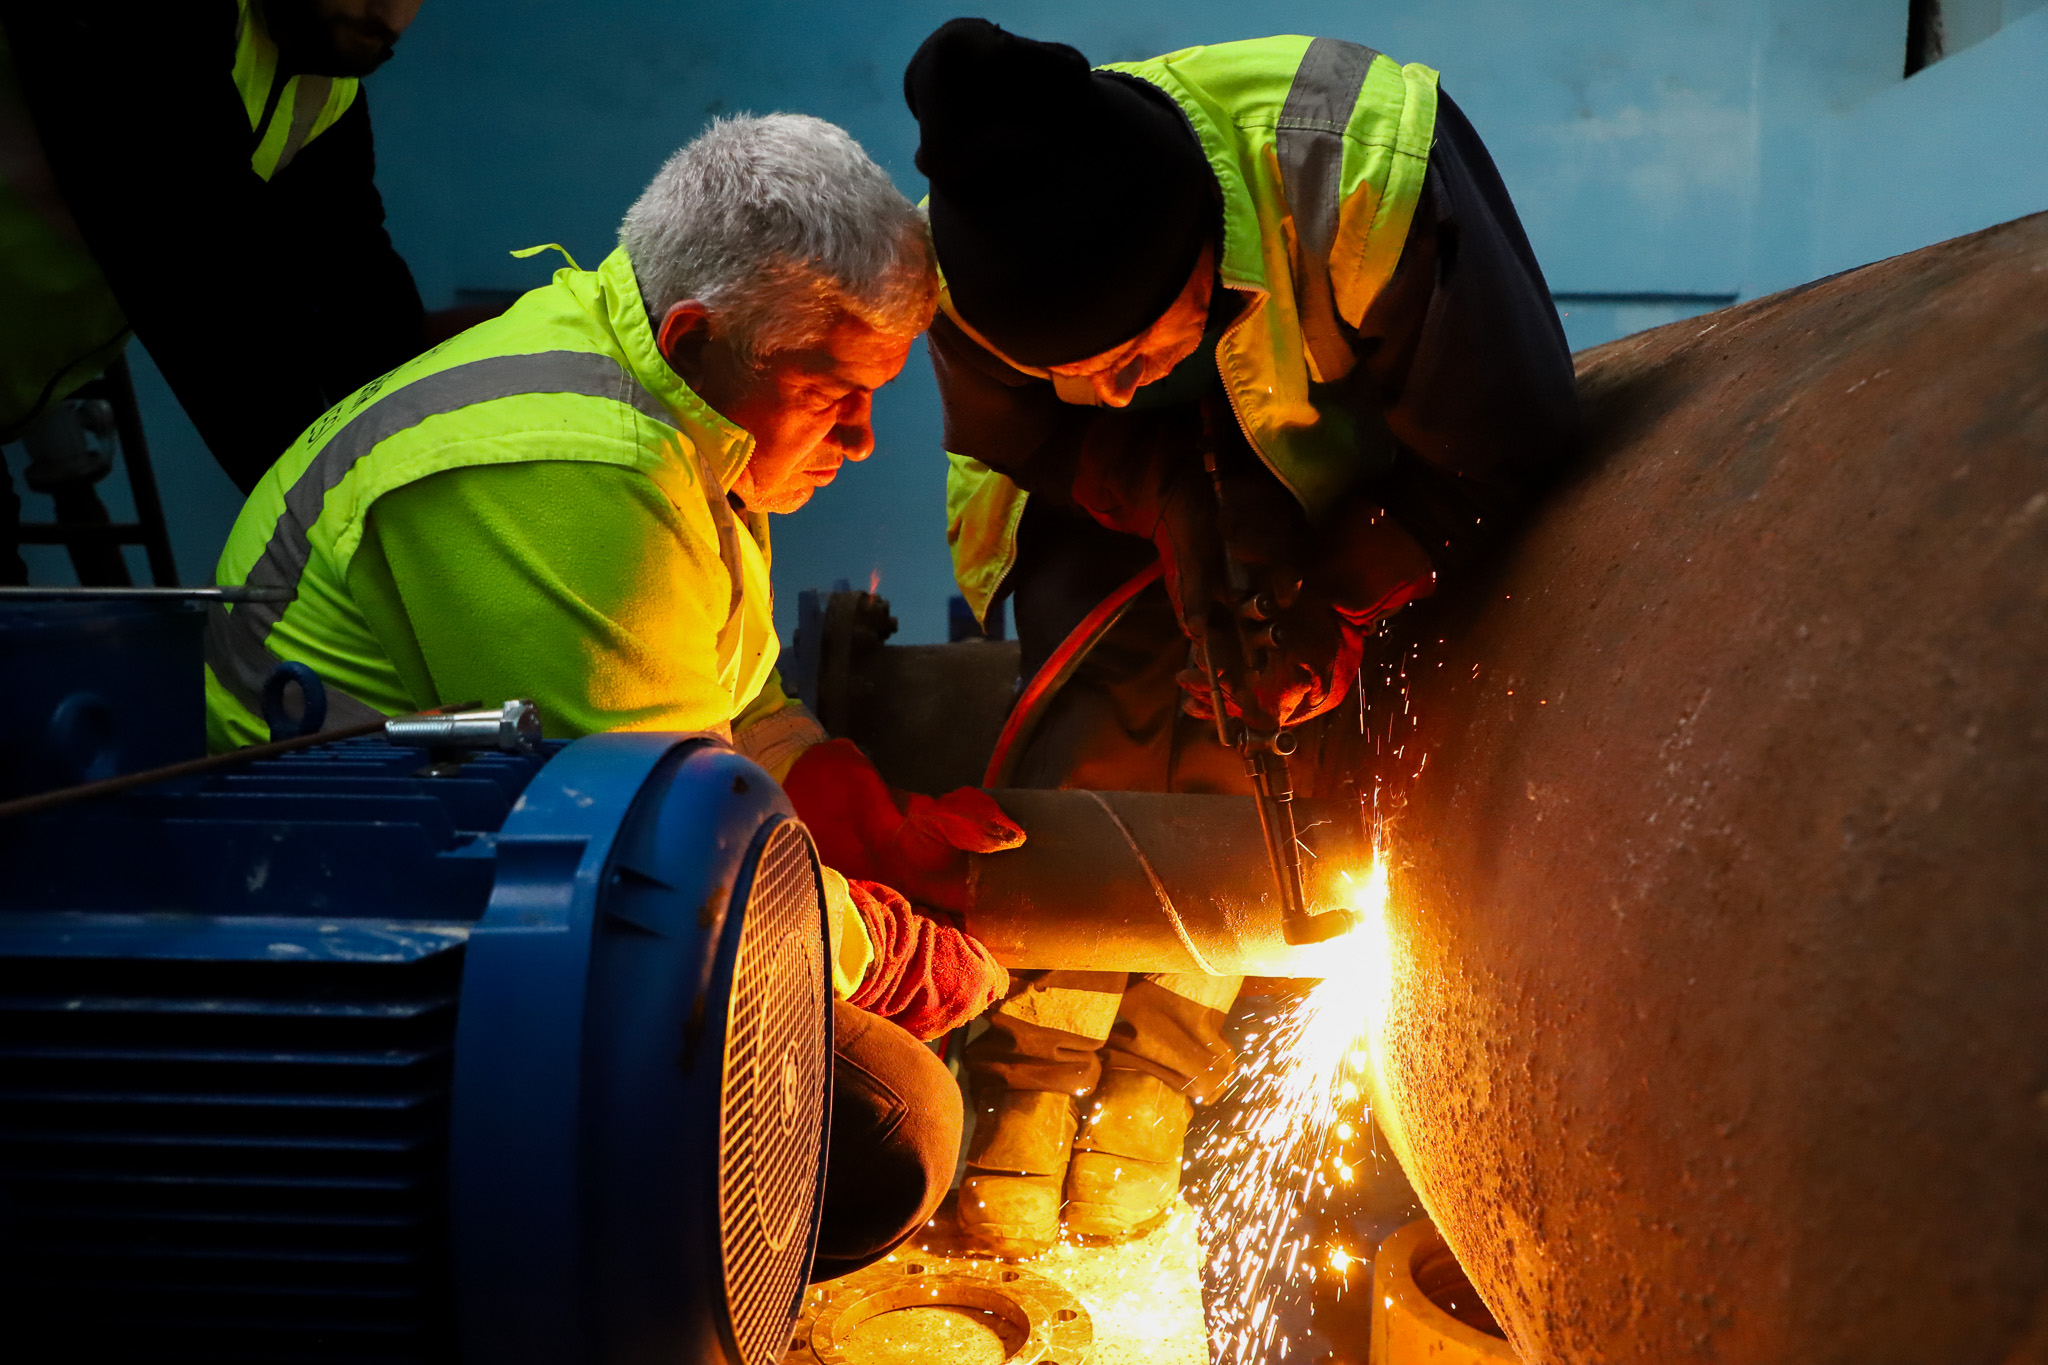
point(243, 665)
point(1310, 147)
point(236, 636)
point(237, 657)
point(310, 98)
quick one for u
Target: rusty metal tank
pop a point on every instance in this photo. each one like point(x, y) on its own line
point(1718, 1027)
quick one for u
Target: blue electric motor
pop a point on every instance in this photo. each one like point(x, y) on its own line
point(374, 1053)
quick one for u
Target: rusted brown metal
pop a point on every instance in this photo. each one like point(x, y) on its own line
point(1152, 882)
point(1719, 1027)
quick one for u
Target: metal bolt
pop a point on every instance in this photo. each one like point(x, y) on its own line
point(513, 727)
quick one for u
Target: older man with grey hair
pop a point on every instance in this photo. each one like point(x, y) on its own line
point(570, 503)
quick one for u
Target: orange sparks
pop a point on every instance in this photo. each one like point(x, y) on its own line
point(1276, 1161)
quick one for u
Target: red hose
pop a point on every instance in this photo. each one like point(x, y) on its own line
point(1058, 667)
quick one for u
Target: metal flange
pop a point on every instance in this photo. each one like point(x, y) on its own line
point(1056, 1328)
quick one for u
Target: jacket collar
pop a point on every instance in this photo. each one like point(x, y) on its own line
point(723, 447)
point(1242, 265)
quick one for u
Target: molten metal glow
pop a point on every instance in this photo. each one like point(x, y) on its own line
point(1299, 1083)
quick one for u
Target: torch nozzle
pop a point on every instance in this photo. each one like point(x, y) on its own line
point(1265, 761)
point(1304, 928)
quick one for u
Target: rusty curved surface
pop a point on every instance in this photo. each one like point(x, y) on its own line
point(1720, 1023)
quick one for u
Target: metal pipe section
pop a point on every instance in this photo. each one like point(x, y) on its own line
point(1151, 882)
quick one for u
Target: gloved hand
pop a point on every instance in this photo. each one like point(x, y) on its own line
point(869, 830)
point(1368, 568)
point(1325, 587)
point(928, 975)
point(1306, 670)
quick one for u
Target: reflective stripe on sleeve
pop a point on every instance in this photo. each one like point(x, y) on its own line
point(1309, 143)
point(236, 636)
point(309, 99)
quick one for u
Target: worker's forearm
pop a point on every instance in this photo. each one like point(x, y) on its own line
point(776, 734)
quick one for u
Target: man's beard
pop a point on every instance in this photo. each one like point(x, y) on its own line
point(313, 45)
point(783, 500)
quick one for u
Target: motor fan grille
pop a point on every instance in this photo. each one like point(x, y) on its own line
point(772, 1117)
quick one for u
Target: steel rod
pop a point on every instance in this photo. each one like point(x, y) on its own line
point(192, 767)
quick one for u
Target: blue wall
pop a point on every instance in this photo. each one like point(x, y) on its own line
point(1666, 155)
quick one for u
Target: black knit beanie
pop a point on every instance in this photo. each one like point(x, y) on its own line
point(1068, 206)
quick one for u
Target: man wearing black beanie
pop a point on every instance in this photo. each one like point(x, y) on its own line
point(1256, 320)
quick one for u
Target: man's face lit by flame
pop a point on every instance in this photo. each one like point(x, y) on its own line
point(1116, 375)
point(808, 408)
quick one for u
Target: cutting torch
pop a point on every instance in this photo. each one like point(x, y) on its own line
point(1259, 739)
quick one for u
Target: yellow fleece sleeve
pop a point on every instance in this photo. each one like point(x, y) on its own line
point(851, 948)
point(577, 585)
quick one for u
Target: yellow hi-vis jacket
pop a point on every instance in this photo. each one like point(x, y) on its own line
point(536, 508)
point(60, 324)
point(1319, 148)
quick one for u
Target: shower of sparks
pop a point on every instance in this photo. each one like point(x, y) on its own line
point(1275, 1163)
point(1144, 1295)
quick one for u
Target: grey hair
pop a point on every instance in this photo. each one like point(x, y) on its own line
point(776, 224)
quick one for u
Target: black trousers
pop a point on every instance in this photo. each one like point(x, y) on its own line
point(895, 1141)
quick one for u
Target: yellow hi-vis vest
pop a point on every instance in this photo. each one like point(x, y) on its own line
point(1319, 148)
point(568, 382)
point(60, 324)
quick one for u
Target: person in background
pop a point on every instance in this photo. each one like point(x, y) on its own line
point(1258, 319)
point(200, 176)
point(571, 503)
